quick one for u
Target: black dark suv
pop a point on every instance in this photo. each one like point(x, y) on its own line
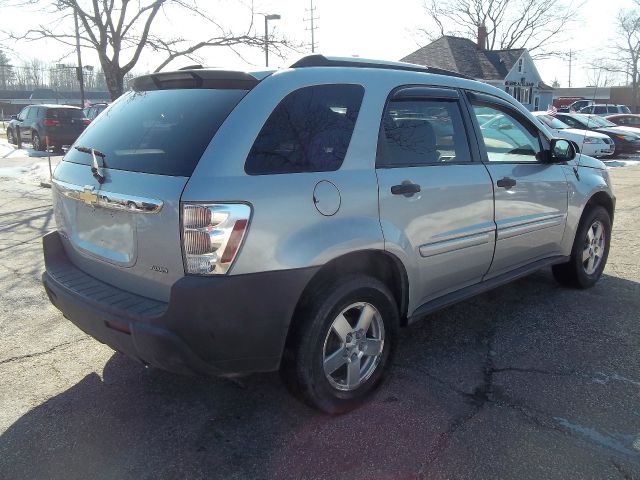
point(60, 124)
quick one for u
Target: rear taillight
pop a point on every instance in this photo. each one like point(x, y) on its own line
point(212, 235)
point(50, 122)
point(86, 121)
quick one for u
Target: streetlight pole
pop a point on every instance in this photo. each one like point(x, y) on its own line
point(266, 35)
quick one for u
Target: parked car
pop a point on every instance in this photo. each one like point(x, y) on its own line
point(625, 138)
point(625, 120)
point(222, 222)
point(61, 124)
point(594, 144)
point(604, 110)
point(576, 106)
point(94, 110)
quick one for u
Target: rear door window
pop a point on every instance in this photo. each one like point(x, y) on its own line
point(422, 132)
point(309, 131)
point(162, 132)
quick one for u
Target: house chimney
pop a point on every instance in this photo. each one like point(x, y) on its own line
point(482, 37)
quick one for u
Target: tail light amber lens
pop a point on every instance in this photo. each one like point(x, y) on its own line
point(212, 235)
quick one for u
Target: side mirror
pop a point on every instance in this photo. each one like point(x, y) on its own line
point(561, 151)
point(14, 117)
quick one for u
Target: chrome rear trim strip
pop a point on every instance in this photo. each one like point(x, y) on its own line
point(109, 200)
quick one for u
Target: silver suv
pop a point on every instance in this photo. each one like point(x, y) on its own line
point(220, 223)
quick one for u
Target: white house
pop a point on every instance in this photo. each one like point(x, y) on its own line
point(510, 70)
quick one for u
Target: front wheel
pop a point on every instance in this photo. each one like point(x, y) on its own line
point(342, 344)
point(590, 251)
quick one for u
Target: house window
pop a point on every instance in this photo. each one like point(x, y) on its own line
point(525, 96)
point(508, 90)
point(520, 65)
point(536, 103)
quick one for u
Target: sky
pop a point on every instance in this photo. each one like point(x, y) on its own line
point(365, 28)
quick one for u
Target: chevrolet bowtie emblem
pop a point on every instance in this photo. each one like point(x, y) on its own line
point(87, 196)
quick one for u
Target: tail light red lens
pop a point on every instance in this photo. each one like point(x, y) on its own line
point(51, 122)
point(212, 235)
point(86, 121)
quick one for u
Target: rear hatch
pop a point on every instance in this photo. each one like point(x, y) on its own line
point(65, 122)
point(124, 228)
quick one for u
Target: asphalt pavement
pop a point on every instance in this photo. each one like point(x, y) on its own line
point(528, 381)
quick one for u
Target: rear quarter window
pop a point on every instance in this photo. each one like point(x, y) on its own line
point(309, 131)
point(162, 132)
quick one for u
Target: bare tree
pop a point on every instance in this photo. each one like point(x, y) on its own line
point(537, 25)
point(6, 71)
point(120, 30)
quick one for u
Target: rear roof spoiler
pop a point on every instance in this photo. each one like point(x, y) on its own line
point(195, 78)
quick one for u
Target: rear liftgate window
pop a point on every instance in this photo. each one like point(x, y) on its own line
point(309, 131)
point(162, 132)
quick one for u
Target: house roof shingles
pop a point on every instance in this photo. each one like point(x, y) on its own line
point(461, 55)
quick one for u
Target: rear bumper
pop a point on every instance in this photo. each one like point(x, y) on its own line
point(210, 326)
point(60, 137)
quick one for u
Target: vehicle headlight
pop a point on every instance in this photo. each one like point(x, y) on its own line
point(628, 138)
point(593, 140)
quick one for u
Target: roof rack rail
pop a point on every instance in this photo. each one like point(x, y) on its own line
point(196, 66)
point(355, 62)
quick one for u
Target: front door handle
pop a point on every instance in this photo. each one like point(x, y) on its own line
point(406, 188)
point(506, 182)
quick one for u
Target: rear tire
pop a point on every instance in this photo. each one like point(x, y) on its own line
point(590, 251)
point(36, 142)
point(342, 343)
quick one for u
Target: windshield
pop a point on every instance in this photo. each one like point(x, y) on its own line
point(596, 121)
point(162, 132)
point(553, 122)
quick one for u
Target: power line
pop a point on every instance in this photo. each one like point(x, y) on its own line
point(312, 18)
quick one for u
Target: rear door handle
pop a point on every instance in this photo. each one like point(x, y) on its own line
point(506, 182)
point(406, 188)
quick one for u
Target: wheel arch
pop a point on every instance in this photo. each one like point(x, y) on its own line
point(379, 264)
point(601, 199)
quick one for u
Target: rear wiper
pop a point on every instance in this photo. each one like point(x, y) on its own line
point(96, 170)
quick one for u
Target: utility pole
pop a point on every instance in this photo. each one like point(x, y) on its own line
point(79, 71)
point(312, 18)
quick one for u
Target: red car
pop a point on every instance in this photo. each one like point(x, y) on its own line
point(625, 120)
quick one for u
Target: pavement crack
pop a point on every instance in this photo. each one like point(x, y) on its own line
point(45, 352)
point(430, 375)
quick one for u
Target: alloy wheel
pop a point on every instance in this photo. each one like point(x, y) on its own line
point(353, 346)
point(594, 247)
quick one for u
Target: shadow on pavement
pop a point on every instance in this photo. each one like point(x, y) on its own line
point(139, 423)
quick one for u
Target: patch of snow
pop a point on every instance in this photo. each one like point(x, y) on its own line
point(621, 163)
point(34, 173)
point(11, 151)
